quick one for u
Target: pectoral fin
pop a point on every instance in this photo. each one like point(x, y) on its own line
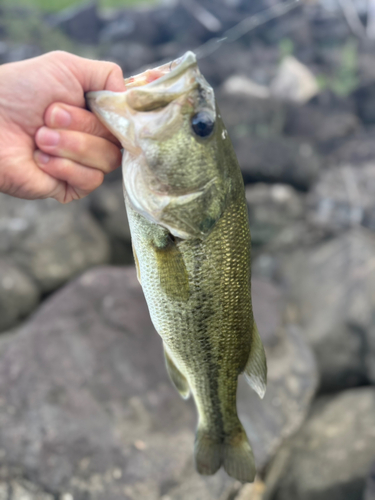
point(178, 380)
point(174, 279)
point(137, 265)
point(256, 366)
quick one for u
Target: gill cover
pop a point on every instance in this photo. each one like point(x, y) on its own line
point(165, 121)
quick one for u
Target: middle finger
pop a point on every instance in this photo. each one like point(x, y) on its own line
point(93, 151)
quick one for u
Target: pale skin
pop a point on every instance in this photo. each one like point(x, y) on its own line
point(50, 145)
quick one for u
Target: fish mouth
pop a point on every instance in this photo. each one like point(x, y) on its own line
point(154, 88)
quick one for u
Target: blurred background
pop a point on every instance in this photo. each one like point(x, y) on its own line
point(86, 409)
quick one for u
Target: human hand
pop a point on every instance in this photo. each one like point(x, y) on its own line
point(50, 145)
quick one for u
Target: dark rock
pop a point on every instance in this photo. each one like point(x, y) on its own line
point(370, 484)
point(50, 241)
point(333, 288)
point(365, 101)
point(19, 295)
point(131, 56)
point(21, 52)
point(22, 489)
point(271, 209)
point(320, 124)
point(329, 458)
point(107, 205)
point(88, 410)
point(81, 23)
point(246, 116)
point(277, 160)
point(358, 149)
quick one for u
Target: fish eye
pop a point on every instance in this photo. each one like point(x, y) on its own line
point(202, 124)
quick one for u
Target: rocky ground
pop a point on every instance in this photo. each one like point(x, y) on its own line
point(88, 412)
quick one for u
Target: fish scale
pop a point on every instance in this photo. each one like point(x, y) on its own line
point(187, 213)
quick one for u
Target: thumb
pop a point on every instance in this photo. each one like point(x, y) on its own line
point(96, 75)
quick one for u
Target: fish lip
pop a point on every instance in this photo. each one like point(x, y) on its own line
point(181, 64)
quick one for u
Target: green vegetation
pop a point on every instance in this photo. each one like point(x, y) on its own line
point(286, 48)
point(31, 30)
point(345, 78)
point(55, 5)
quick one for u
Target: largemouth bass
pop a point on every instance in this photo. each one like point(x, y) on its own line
point(187, 214)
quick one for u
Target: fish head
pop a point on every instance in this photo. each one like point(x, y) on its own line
point(173, 139)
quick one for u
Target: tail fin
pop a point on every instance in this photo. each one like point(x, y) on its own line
point(234, 453)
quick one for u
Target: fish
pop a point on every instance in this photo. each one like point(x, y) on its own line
point(185, 202)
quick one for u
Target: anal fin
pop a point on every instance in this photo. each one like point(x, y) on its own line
point(177, 378)
point(256, 366)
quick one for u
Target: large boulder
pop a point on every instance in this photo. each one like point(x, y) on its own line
point(88, 411)
point(332, 287)
point(19, 294)
point(49, 241)
point(329, 458)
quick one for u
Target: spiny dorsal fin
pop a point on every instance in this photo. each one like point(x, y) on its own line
point(178, 380)
point(256, 366)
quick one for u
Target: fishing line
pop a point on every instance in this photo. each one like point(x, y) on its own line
point(244, 26)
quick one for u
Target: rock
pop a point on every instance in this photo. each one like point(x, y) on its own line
point(330, 456)
point(81, 23)
point(23, 490)
point(294, 82)
point(241, 85)
point(343, 198)
point(19, 295)
point(272, 208)
point(277, 160)
point(107, 205)
point(321, 124)
point(356, 150)
point(88, 411)
point(370, 484)
point(49, 241)
point(365, 101)
point(131, 56)
point(247, 116)
point(333, 288)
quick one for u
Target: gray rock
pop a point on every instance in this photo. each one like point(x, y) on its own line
point(277, 159)
point(23, 490)
point(321, 124)
point(87, 409)
point(107, 205)
point(329, 458)
point(333, 289)
point(271, 209)
point(246, 115)
point(81, 23)
point(360, 148)
point(370, 484)
point(50, 241)
point(343, 198)
point(19, 295)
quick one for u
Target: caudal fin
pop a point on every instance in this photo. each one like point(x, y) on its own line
point(234, 453)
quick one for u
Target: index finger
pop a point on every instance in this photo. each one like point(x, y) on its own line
point(64, 116)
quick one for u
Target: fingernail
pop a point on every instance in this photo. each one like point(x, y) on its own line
point(41, 157)
point(60, 117)
point(48, 137)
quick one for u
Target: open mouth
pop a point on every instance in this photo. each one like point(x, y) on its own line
point(168, 71)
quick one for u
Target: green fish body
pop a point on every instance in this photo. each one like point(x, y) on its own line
point(187, 213)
